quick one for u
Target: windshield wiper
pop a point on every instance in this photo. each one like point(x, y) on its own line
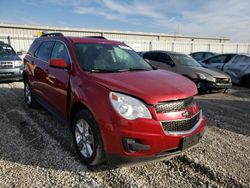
point(121, 70)
point(103, 70)
point(134, 69)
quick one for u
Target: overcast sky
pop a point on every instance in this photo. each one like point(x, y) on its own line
point(219, 18)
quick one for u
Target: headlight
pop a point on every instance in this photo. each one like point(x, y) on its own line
point(206, 77)
point(18, 63)
point(129, 107)
point(202, 76)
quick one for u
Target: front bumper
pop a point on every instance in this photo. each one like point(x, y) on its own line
point(119, 161)
point(11, 74)
point(154, 142)
point(206, 85)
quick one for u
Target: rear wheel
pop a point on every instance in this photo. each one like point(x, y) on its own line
point(87, 138)
point(28, 96)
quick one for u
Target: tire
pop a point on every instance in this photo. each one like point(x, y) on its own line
point(200, 88)
point(28, 96)
point(87, 138)
point(247, 82)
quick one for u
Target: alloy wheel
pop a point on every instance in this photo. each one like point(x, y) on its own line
point(84, 138)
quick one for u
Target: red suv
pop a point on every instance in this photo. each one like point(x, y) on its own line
point(121, 110)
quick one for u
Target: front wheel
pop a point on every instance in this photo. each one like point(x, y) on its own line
point(87, 138)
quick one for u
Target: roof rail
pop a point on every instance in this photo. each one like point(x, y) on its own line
point(96, 37)
point(51, 34)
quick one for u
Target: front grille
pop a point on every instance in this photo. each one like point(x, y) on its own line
point(173, 106)
point(6, 65)
point(181, 125)
point(222, 80)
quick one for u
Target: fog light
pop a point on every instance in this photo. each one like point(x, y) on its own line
point(133, 145)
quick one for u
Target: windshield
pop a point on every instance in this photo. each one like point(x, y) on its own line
point(6, 51)
point(186, 60)
point(109, 58)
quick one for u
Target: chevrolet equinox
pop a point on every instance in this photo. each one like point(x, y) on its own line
point(120, 109)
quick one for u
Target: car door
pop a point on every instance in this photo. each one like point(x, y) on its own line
point(58, 79)
point(40, 66)
point(236, 69)
point(215, 62)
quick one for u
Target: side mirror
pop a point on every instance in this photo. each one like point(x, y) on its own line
point(19, 53)
point(172, 65)
point(58, 63)
point(206, 62)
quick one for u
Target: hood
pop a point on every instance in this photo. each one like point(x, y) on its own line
point(211, 72)
point(150, 86)
point(10, 58)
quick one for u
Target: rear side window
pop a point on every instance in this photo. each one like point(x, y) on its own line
point(150, 56)
point(229, 57)
point(197, 55)
point(60, 52)
point(207, 55)
point(161, 57)
point(44, 51)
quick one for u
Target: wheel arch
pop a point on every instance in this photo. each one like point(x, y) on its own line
point(25, 76)
point(76, 107)
point(187, 76)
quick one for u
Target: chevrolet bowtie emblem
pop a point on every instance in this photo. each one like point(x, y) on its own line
point(186, 114)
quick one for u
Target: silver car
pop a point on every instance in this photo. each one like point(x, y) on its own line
point(239, 69)
point(217, 61)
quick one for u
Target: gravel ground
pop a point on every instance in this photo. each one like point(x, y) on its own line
point(36, 150)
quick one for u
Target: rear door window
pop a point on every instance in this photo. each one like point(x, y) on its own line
point(44, 51)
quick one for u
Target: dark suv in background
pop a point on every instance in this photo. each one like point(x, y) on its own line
point(119, 108)
point(11, 65)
